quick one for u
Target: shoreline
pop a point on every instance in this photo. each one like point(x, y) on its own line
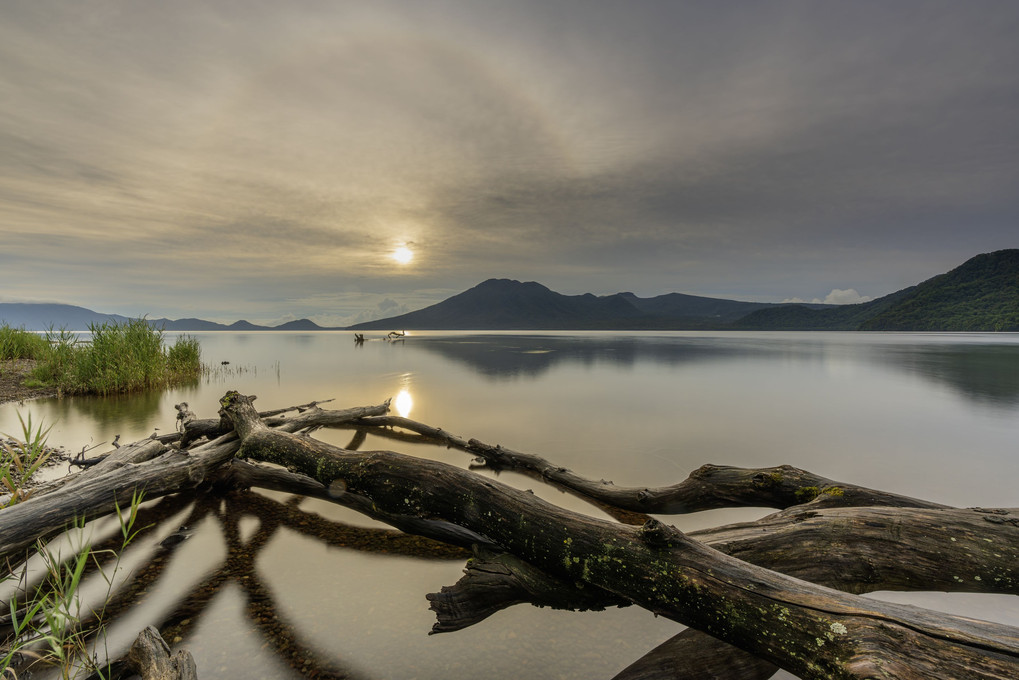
point(12, 378)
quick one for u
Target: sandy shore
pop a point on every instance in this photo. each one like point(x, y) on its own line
point(12, 378)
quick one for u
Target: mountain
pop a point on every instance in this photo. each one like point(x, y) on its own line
point(300, 325)
point(799, 317)
point(188, 324)
point(982, 294)
point(41, 317)
point(504, 304)
point(691, 306)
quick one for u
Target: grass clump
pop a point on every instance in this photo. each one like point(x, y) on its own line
point(51, 625)
point(122, 357)
point(20, 461)
point(17, 343)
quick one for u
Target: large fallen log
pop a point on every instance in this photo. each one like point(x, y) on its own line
point(856, 550)
point(150, 466)
point(890, 550)
point(810, 630)
point(707, 488)
point(881, 557)
point(907, 543)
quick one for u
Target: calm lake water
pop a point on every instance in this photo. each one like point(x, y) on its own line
point(267, 582)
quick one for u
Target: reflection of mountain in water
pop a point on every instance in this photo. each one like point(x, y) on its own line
point(983, 373)
point(507, 356)
point(986, 373)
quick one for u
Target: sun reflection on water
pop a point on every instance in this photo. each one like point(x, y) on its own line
point(403, 403)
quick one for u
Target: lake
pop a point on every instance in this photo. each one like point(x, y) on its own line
point(267, 583)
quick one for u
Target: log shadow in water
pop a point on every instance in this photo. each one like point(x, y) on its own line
point(228, 511)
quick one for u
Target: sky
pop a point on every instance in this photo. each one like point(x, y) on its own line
point(264, 160)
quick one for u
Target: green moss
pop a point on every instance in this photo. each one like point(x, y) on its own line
point(805, 494)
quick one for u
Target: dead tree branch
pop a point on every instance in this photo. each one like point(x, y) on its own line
point(813, 631)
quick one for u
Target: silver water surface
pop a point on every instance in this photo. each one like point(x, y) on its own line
point(933, 416)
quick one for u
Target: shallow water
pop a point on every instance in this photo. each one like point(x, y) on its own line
point(266, 583)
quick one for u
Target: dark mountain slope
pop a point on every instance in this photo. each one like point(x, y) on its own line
point(805, 318)
point(43, 316)
point(982, 294)
point(693, 306)
point(504, 304)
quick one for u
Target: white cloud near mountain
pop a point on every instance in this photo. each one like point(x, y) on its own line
point(837, 296)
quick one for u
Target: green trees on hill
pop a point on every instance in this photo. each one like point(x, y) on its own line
point(980, 295)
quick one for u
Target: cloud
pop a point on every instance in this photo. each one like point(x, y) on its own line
point(227, 163)
point(845, 297)
point(837, 296)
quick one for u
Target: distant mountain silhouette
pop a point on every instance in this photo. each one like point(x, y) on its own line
point(982, 294)
point(800, 317)
point(41, 317)
point(504, 304)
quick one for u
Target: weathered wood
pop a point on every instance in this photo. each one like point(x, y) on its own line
point(856, 550)
point(242, 474)
point(708, 488)
point(493, 581)
point(913, 549)
point(920, 546)
point(193, 428)
point(185, 416)
point(148, 466)
point(810, 630)
point(692, 655)
point(150, 658)
point(43, 516)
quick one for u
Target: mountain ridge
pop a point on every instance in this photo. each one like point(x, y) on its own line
point(982, 294)
point(507, 304)
point(43, 316)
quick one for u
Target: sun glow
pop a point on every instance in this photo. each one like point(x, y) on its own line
point(404, 403)
point(403, 255)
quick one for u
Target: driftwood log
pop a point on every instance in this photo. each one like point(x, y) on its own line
point(150, 657)
point(782, 589)
point(810, 630)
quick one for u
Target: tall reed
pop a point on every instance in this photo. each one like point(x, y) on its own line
point(17, 343)
point(19, 461)
point(49, 623)
point(119, 358)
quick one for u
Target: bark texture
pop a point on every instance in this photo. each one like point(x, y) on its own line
point(783, 589)
point(150, 657)
point(813, 631)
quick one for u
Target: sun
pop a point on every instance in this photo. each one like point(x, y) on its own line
point(403, 255)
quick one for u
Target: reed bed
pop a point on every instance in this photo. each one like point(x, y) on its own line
point(17, 343)
point(119, 358)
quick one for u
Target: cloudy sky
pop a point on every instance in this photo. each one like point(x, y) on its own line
point(263, 160)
